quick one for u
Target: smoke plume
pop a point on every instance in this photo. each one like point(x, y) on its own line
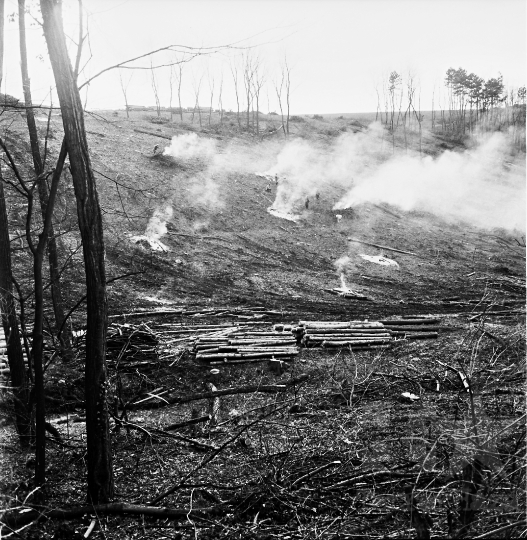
point(483, 185)
point(472, 186)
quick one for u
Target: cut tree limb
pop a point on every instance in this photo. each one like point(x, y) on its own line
point(153, 134)
point(23, 516)
point(383, 247)
point(269, 389)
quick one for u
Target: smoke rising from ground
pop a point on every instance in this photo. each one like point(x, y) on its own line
point(190, 147)
point(157, 227)
point(472, 186)
point(476, 185)
point(480, 185)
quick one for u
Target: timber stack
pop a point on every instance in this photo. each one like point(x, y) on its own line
point(364, 335)
point(235, 346)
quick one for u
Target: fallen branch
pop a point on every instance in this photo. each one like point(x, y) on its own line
point(24, 515)
point(383, 247)
point(268, 389)
point(153, 134)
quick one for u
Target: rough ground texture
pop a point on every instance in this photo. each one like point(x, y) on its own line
point(340, 453)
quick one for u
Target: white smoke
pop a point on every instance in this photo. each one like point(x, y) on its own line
point(157, 225)
point(472, 186)
point(306, 168)
point(155, 230)
point(342, 264)
point(190, 147)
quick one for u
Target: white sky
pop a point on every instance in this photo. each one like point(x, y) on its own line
point(339, 50)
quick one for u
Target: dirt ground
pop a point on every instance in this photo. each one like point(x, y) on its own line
point(340, 451)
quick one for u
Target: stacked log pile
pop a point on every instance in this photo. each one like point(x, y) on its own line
point(358, 335)
point(364, 335)
point(240, 346)
point(413, 328)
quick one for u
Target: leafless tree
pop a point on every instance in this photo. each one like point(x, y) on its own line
point(220, 102)
point(15, 355)
point(124, 89)
point(258, 82)
point(248, 75)
point(211, 87)
point(99, 457)
point(155, 89)
point(176, 71)
point(197, 87)
point(234, 71)
point(283, 93)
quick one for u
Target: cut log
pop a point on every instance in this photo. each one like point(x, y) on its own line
point(239, 356)
point(353, 346)
point(261, 342)
point(192, 421)
point(424, 328)
point(355, 331)
point(412, 321)
point(248, 361)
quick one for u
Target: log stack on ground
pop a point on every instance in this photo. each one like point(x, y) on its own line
point(413, 327)
point(364, 335)
point(357, 335)
point(246, 346)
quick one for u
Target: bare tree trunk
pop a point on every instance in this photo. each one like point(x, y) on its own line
point(179, 92)
point(15, 355)
point(54, 267)
point(220, 102)
point(124, 89)
point(100, 474)
point(154, 88)
point(287, 94)
point(234, 71)
point(211, 98)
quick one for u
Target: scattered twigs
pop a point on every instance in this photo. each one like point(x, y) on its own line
point(213, 456)
point(314, 472)
point(420, 521)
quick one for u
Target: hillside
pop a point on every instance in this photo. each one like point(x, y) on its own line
point(337, 441)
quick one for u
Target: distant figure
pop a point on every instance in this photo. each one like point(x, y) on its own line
point(276, 178)
point(307, 203)
point(156, 148)
point(317, 195)
point(339, 217)
point(268, 187)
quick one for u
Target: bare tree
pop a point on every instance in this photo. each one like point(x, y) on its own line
point(279, 88)
point(197, 88)
point(248, 74)
point(99, 458)
point(38, 163)
point(220, 102)
point(176, 71)
point(155, 89)
point(283, 93)
point(287, 76)
point(211, 87)
point(124, 90)
point(15, 355)
point(258, 82)
point(234, 71)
